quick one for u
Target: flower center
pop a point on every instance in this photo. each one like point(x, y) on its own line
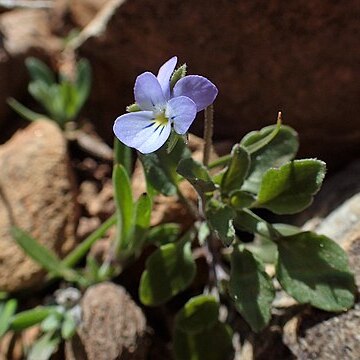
point(161, 119)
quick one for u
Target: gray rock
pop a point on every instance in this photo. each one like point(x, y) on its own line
point(113, 327)
point(37, 194)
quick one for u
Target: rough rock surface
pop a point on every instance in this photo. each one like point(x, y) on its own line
point(301, 58)
point(316, 336)
point(319, 335)
point(23, 33)
point(113, 327)
point(37, 193)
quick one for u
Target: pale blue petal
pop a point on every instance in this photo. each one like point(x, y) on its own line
point(164, 75)
point(148, 92)
point(181, 111)
point(199, 89)
point(140, 131)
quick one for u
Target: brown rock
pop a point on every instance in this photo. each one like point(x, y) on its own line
point(23, 33)
point(113, 327)
point(67, 15)
point(314, 334)
point(300, 58)
point(37, 195)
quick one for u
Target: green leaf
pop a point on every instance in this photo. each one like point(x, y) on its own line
point(203, 232)
point(196, 174)
point(83, 82)
point(52, 322)
point(7, 310)
point(44, 347)
point(212, 344)
point(236, 171)
point(69, 98)
point(160, 168)
point(142, 221)
point(43, 256)
point(163, 234)
point(282, 148)
point(169, 270)
point(29, 318)
point(68, 327)
point(82, 249)
point(39, 71)
point(248, 221)
point(23, 111)
point(220, 218)
point(124, 205)
point(290, 188)
point(198, 314)
point(263, 245)
point(241, 199)
point(314, 269)
point(122, 155)
point(251, 288)
point(178, 74)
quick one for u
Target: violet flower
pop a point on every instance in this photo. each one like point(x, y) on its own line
point(163, 108)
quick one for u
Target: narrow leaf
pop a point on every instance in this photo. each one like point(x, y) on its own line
point(39, 71)
point(42, 255)
point(236, 171)
point(142, 221)
point(44, 347)
point(124, 204)
point(28, 318)
point(6, 313)
point(23, 111)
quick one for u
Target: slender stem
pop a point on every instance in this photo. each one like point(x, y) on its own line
point(80, 251)
point(190, 206)
point(223, 160)
point(208, 133)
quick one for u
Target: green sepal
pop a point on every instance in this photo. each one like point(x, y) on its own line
point(133, 108)
point(178, 74)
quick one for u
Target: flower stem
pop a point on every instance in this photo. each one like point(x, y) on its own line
point(208, 133)
point(223, 160)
